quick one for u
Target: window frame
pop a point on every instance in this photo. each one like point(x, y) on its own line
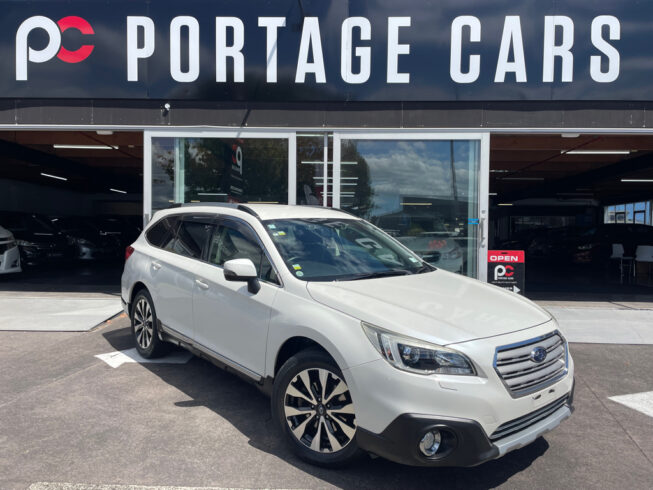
point(219, 219)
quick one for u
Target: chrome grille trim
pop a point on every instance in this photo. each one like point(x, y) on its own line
point(521, 423)
point(521, 375)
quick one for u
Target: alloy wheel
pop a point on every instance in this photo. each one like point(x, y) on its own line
point(319, 410)
point(143, 323)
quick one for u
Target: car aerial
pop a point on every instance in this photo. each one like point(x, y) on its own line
point(361, 344)
point(9, 254)
point(38, 240)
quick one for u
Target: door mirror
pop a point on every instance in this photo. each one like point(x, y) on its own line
point(242, 270)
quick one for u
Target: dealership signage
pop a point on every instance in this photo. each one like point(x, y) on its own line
point(506, 269)
point(339, 50)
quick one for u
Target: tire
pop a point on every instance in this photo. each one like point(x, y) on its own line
point(325, 435)
point(144, 327)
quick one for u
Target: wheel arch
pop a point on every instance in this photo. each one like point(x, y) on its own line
point(136, 288)
point(294, 345)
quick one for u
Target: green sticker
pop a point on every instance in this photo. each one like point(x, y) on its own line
point(299, 273)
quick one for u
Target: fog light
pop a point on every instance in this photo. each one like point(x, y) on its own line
point(430, 443)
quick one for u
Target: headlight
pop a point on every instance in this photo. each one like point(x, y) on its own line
point(417, 356)
point(24, 243)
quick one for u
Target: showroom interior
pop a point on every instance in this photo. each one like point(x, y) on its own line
point(73, 201)
point(578, 204)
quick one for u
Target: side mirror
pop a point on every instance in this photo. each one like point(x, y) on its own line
point(242, 270)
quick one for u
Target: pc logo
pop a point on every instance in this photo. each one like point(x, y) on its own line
point(25, 54)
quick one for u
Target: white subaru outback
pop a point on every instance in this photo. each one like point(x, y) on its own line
point(361, 344)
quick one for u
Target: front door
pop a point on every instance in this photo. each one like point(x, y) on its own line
point(229, 320)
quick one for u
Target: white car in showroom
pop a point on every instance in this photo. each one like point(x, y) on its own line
point(9, 253)
point(362, 345)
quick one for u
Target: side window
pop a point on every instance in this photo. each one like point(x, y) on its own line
point(162, 233)
point(232, 240)
point(191, 237)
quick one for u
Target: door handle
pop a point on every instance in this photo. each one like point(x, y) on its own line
point(156, 266)
point(201, 284)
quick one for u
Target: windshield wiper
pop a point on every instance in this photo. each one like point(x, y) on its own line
point(374, 275)
point(425, 268)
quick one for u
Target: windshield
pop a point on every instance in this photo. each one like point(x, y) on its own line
point(337, 249)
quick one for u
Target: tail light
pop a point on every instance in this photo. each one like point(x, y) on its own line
point(128, 252)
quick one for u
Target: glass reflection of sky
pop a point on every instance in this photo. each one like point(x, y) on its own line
point(415, 169)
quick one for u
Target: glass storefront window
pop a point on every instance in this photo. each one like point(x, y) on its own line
point(219, 170)
point(422, 192)
point(311, 166)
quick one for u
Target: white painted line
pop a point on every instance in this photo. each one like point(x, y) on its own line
point(118, 358)
point(87, 486)
point(642, 402)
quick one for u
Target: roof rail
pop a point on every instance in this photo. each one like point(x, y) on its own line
point(240, 207)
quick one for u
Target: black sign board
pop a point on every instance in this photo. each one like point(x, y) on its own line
point(506, 269)
point(316, 50)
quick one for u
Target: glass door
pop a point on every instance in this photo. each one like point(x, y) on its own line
point(428, 190)
point(218, 166)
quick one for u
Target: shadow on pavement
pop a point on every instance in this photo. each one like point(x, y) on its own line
point(248, 410)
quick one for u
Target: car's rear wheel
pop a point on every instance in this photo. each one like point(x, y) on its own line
point(312, 404)
point(144, 326)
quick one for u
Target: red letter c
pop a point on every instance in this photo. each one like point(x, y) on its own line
point(74, 22)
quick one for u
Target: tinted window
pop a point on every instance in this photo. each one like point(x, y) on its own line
point(232, 240)
point(192, 235)
point(161, 234)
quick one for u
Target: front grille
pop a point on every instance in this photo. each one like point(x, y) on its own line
point(521, 374)
point(521, 423)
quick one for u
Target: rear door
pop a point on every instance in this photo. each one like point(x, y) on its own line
point(173, 268)
point(229, 320)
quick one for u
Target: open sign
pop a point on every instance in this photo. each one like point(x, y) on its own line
point(506, 269)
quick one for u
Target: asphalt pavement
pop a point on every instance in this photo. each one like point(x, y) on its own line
point(71, 421)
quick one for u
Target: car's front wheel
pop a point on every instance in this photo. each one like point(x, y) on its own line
point(144, 327)
point(313, 406)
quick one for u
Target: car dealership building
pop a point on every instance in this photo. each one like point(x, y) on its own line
point(456, 126)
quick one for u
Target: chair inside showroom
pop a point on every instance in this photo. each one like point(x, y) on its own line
point(625, 262)
point(644, 254)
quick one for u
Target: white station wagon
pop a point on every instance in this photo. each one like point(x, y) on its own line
point(362, 345)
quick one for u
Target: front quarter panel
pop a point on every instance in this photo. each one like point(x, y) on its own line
point(300, 316)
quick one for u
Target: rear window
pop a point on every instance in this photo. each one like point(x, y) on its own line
point(162, 233)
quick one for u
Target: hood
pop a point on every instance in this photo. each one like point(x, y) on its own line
point(439, 307)
point(5, 234)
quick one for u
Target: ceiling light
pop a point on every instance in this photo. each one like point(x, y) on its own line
point(505, 204)
point(118, 191)
point(570, 135)
point(104, 132)
point(416, 204)
point(499, 171)
point(492, 194)
point(595, 152)
point(85, 147)
point(53, 176)
point(637, 180)
point(522, 178)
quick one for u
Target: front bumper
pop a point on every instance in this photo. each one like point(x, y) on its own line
point(464, 442)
